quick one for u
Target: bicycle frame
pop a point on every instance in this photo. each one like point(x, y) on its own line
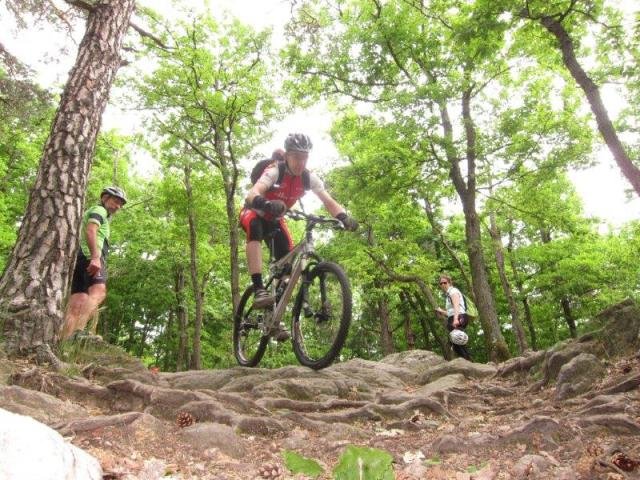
point(299, 259)
point(318, 331)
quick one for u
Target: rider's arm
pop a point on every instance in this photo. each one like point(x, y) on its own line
point(265, 182)
point(455, 302)
point(91, 232)
point(333, 207)
point(92, 239)
point(258, 189)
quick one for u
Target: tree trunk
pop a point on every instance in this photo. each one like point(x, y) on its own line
point(605, 126)
point(229, 171)
point(196, 361)
point(34, 283)
point(498, 250)
point(167, 343)
point(568, 316)
point(437, 230)
point(386, 339)
point(181, 358)
point(528, 319)
point(409, 335)
point(443, 340)
point(405, 296)
point(494, 341)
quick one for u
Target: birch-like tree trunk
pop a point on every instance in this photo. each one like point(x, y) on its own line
point(386, 338)
point(494, 340)
point(498, 250)
point(181, 311)
point(592, 92)
point(34, 283)
point(197, 287)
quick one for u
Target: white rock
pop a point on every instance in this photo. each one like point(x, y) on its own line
point(33, 451)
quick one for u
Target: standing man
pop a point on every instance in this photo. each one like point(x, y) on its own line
point(455, 313)
point(88, 287)
point(273, 194)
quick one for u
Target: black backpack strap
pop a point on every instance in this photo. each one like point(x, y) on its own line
point(282, 169)
point(306, 180)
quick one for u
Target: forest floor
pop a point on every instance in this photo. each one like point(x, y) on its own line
point(437, 420)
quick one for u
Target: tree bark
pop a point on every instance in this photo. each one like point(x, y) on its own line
point(181, 357)
point(198, 291)
point(386, 339)
point(525, 301)
point(409, 334)
point(34, 283)
point(494, 341)
point(405, 296)
point(568, 316)
point(437, 230)
point(498, 250)
point(592, 92)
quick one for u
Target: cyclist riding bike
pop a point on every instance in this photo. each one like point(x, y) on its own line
point(267, 202)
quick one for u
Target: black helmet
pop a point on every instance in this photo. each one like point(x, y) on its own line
point(298, 142)
point(115, 192)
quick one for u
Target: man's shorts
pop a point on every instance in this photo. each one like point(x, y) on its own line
point(275, 232)
point(81, 278)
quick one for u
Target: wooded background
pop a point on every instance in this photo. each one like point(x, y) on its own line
point(487, 103)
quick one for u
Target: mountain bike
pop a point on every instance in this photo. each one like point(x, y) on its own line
point(320, 313)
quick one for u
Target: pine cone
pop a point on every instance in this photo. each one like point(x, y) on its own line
point(271, 471)
point(185, 419)
point(624, 463)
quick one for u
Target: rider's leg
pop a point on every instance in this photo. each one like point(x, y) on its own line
point(254, 261)
point(87, 292)
point(97, 294)
point(80, 308)
point(75, 307)
point(252, 224)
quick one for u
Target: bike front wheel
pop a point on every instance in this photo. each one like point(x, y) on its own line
point(249, 341)
point(322, 315)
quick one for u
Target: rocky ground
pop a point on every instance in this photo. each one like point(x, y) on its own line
point(571, 412)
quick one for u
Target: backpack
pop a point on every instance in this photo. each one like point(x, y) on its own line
point(261, 166)
point(469, 307)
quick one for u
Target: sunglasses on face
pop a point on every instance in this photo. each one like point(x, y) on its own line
point(443, 283)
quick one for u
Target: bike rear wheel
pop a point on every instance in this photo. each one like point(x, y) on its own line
point(321, 324)
point(249, 341)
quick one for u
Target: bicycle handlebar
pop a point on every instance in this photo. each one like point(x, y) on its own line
point(314, 219)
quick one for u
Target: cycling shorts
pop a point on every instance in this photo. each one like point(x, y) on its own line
point(81, 278)
point(274, 232)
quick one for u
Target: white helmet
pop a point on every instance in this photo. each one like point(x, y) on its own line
point(458, 337)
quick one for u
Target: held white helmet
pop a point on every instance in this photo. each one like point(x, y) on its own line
point(458, 337)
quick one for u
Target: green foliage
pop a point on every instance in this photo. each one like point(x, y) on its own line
point(297, 463)
point(362, 463)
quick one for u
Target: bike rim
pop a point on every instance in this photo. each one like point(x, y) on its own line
point(250, 340)
point(318, 327)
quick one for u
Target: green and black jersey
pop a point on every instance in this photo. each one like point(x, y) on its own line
point(98, 215)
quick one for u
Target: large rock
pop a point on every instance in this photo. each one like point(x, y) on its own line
point(213, 435)
point(458, 365)
point(417, 360)
point(621, 332)
point(33, 451)
point(578, 376)
point(41, 406)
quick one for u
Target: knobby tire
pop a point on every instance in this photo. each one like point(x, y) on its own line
point(319, 332)
point(249, 344)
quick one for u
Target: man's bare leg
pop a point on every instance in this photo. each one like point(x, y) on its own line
point(80, 307)
point(254, 256)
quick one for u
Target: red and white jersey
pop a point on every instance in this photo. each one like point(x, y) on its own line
point(291, 188)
